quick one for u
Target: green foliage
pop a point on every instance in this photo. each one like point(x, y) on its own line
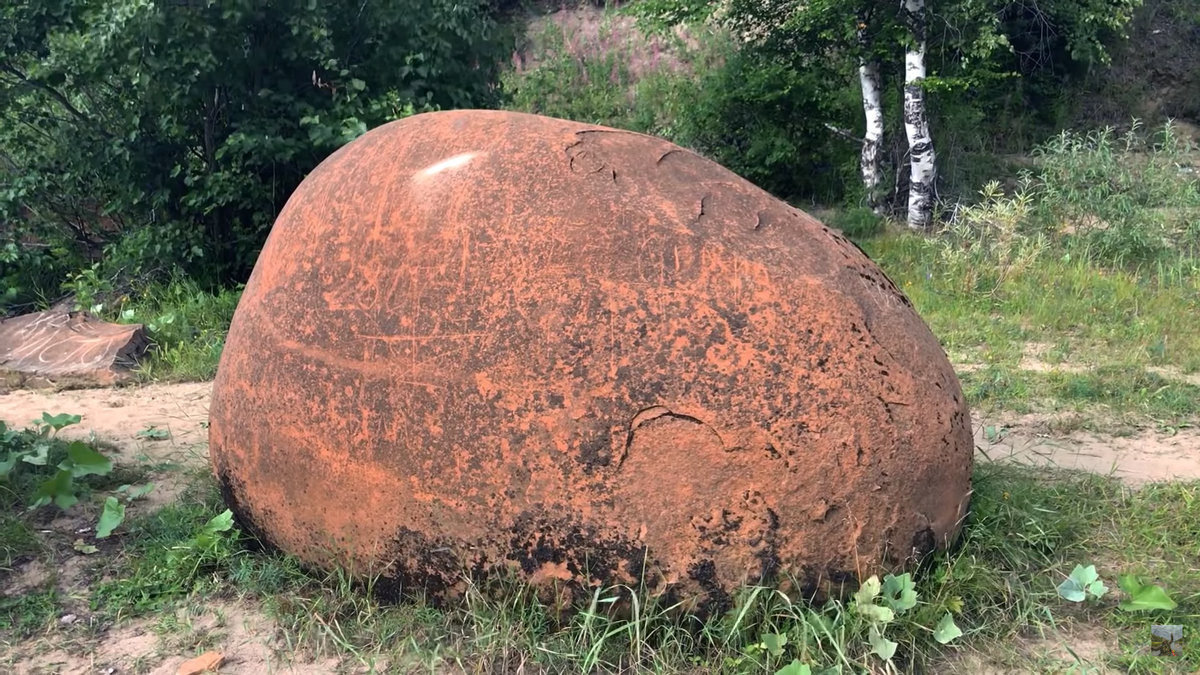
point(169, 135)
point(996, 79)
point(1119, 202)
point(185, 323)
point(740, 108)
point(617, 78)
point(767, 119)
point(29, 613)
point(112, 516)
point(177, 551)
point(1127, 198)
point(1143, 597)
point(29, 455)
point(857, 222)
point(1083, 582)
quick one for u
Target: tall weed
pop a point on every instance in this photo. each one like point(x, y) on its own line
point(1123, 202)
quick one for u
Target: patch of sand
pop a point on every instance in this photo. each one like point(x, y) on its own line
point(1148, 455)
point(1049, 653)
point(117, 416)
point(157, 646)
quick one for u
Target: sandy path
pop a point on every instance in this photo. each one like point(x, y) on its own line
point(118, 415)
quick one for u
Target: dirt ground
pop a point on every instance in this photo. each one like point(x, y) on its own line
point(249, 639)
point(117, 416)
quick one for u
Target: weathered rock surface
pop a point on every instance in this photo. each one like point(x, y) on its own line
point(68, 349)
point(484, 339)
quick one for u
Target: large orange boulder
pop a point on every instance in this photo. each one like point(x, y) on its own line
point(479, 341)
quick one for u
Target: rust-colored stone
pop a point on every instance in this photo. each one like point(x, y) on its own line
point(61, 349)
point(485, 339)
point(208, 662)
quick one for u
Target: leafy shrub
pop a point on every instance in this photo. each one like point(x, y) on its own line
point(763, 118)
point(185, 323)
point(1093, 198)
point(1130, 199)
point(169, 135)
point(601, 70)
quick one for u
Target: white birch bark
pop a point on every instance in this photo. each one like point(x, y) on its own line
point(923, 166)
point(872, 174)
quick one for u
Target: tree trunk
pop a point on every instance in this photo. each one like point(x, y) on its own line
point(872, 174)
point(923, 164)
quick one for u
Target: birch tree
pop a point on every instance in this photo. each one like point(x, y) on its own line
point(821, 25)
point(869, 81)
point(923, 159)
point(788, 28)
point(977, 46)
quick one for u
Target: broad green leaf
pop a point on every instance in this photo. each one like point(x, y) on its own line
point(946, 630)
point(60, 421)
point(794, 668)
point(133, 492)
point(881, 646)
point(1082, 582)
point(1071, 590)
point(775, 642)
point(876, 613)
point(210, 532)
point(868, 591)
point(9, 462)
point(900, 593)
point(58, 489)
point(222, 522)
point(153, 433)
point(1143, 597)
point(38, 456)
point(864, 602)
point(111, 518)
point(86, 461)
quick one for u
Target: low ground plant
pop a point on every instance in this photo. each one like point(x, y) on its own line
point(1041, 552)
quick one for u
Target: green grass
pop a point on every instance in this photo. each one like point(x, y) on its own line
point(1094, 333)
point(1143, 315)
point(1028, 529)
point(187, 326)
point(29, 612)
point(30, 460)
point(1060, 334)
point(1080, 289)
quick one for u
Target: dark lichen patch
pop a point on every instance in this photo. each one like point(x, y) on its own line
point(596, 452)
point(536, 540)
point(424, 570)
point(924, 542)
point(716, 600)
point(243, 519)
